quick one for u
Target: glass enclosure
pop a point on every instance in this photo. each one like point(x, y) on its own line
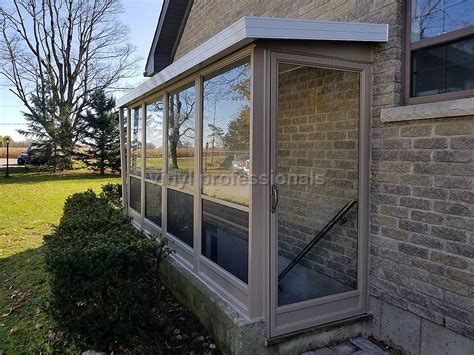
point(193, 165)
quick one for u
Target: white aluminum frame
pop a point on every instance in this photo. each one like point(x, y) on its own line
point(317, 311)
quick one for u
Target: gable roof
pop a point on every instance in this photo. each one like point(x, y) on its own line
point(173, 17)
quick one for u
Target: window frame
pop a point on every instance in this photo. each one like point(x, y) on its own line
point(426, 43)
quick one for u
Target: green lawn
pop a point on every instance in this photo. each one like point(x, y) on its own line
point(31, 204)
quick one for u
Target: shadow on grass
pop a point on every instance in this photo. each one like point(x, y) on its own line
point(23, 174)
point(23, 296)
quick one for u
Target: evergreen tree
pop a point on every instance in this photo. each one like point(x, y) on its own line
point(48, 134)
point(101, 136)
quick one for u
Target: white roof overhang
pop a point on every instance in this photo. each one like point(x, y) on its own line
point(249, 29)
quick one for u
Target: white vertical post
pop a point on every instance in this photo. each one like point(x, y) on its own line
point(123, 163)
point(164, 183)
point(259, 196)
point(197, 172)
point(129, 153)
point(142, 180)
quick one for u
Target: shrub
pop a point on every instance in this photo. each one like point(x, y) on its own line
point(113, 193)
point(103, 274)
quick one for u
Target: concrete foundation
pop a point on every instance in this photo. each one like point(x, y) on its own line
point(414, 334)
point(236, 334)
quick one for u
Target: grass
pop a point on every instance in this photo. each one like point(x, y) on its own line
point(31, 204)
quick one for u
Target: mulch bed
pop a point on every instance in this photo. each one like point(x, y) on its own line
point(184, 333)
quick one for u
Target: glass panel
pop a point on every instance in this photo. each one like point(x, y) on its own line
point(136, 142)
point(317, 176)
point(226, 133)
point(225, 237)
point(153, 203)
point(181, 138)
point(135, 194)
point(444, 68)
point(180, 209)
point(154, 140)
point(432, 18)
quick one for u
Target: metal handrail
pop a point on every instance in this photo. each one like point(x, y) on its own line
point(317, 238)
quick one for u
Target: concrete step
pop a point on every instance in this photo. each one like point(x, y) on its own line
point(356, 346)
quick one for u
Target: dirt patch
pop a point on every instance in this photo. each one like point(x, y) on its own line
point(183, 334)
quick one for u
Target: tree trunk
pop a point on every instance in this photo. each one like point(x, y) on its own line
point(174, 154)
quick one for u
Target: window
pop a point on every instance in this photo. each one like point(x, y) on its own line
point(226, 168)
point(226, 134)
point(440, 50)
point(136, 143)
point(136, 160)
point(154, 161)
point(153, 202)
point(181, 126)
point(154, 140)
point(181, 138)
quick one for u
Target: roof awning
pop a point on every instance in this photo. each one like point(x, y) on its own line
point(249, 29)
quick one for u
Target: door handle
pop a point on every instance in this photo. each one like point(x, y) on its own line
point(274, 198)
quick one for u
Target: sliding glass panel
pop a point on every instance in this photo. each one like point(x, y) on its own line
point(181, 138)
point(180, 209)
point(317, 182)
point(135, 194)
point(153, 202)
point(226, 133)
point(136, 142)
point(225, 237)
point(154, 140)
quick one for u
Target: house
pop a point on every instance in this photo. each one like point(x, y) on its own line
point(311, 163)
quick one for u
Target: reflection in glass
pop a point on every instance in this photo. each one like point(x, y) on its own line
point(435, 17)
point(444, 68)
point(226, 133)
point(154, 140)
point(153, 203)
point(317, 165)
point(225, 237)
point(136, 142)
point(135, 194)
point(180, 212)
point(181, 137)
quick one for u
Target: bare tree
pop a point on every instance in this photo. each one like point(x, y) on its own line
point(62, 51)
point(181, 122)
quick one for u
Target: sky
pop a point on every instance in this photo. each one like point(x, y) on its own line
point(141, 16)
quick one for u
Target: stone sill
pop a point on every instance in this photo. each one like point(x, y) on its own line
point(442, 109)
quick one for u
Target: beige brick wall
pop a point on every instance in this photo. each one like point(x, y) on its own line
point(422, 202)
point(318, 119)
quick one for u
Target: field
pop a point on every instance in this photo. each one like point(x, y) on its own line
point(13, 152)
point(32, 204)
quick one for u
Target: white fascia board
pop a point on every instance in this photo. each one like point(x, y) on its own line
point(249, 29)
point(281, 28)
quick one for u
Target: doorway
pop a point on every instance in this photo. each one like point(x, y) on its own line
point(319, 126)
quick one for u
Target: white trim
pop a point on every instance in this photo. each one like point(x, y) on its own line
point(249, 29)
point(442, 109)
